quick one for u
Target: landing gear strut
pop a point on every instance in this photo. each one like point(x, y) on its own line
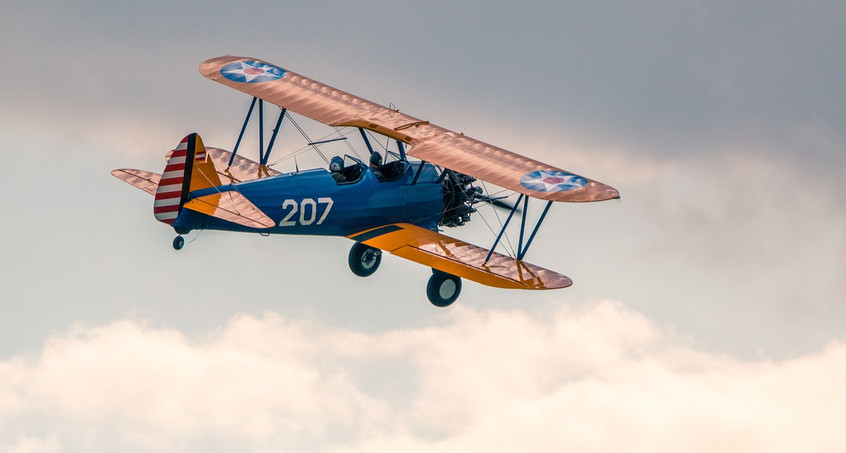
point(364, 260)
point(443, 289)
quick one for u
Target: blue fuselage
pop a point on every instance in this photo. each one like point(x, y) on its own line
point(311, 202)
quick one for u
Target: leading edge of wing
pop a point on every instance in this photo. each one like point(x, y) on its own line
point(429, 142)
point(459, 258)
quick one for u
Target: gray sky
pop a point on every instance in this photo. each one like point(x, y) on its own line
point(708, 302)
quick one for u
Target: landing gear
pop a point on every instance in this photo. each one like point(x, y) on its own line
point(364, 260)
point(178, 242)
point(443, 289)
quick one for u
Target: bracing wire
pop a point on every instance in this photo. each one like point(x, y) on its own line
point(306, 148)
point(498, 219)
point(303, 133)
point(349, 145)
point(376, 141)
point(493, 232)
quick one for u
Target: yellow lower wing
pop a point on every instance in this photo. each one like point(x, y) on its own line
point(459, 258)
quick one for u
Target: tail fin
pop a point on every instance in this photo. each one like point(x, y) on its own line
point(188, 169)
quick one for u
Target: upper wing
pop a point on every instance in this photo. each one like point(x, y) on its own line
point(459, 258)
point(431, 143)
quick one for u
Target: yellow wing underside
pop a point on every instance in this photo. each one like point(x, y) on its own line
point(459, 258)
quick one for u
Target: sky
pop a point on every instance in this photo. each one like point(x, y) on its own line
point(708, 306)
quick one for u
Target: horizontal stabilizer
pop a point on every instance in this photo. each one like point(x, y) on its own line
point(242, 169)
point(144, 180)
point(459, 258)
point(233, 207)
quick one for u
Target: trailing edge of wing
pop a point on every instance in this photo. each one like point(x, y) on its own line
point(144, 180)
point(428, 142)
point(459, 258)
point(233, 207)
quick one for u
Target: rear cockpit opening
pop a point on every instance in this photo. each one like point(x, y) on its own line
point(392, 169)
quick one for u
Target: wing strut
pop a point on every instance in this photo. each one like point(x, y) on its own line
point(261, 130)
point(401, 147)
point(504, 225)
point(419, 170)
point(366, 140)
point(521, 248)
point(243, 128)
point(264, 155)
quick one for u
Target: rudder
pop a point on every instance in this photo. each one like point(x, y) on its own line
point(188, 168)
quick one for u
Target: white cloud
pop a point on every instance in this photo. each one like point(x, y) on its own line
point(598, 378)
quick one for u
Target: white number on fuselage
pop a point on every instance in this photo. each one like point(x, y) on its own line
point(307, 209)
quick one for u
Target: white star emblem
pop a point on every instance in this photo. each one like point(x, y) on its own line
point(251, 72)
point(552, 181)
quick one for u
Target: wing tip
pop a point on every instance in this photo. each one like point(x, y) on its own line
point(594, 191)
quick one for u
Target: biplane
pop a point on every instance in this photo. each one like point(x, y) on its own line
point(393, 204)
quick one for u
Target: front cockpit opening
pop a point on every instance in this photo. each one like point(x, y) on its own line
point(346, 170)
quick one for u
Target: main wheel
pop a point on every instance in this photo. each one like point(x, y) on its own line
point(443, 289)
point(178, 242)
point(364, 260)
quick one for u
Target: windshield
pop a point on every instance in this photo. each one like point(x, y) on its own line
point(350, 160)
point(391, 156)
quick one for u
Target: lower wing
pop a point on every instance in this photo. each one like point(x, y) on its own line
point(459, 258)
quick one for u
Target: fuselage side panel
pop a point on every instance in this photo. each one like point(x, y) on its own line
point(311, 202)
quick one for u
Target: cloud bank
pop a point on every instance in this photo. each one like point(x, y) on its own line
point(595, 378)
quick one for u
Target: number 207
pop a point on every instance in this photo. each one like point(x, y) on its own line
point(307, 210)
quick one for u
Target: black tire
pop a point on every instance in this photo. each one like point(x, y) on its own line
point(178, 242)
point(364, 260)
point(443, 289)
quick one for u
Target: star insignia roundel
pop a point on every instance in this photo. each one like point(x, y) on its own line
point(552, 181)
point(251, 72)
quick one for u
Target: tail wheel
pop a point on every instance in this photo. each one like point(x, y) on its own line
point(178, 242)
point(364, 260)
point(443, 289)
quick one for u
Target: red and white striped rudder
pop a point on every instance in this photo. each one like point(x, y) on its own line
point(186, 161)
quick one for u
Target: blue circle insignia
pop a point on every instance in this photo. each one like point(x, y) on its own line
point(251, 71)
point(552, 181)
